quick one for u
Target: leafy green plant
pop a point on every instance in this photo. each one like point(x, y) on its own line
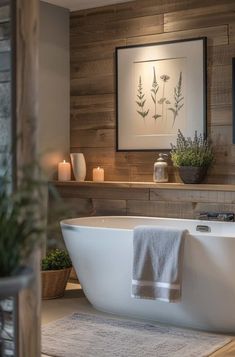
point(178, 105)
point(21, 224)
point(55, 260)
point(141, 101)
point(191, 152)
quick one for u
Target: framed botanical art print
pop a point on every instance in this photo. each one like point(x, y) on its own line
point(160, 88)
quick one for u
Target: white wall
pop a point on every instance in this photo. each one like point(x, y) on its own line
point(54, 86)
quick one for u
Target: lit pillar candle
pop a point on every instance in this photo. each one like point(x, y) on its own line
point(98, 174)
point(64, 171)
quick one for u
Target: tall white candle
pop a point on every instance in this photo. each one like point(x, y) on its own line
point(64, 171)
point(98, 174)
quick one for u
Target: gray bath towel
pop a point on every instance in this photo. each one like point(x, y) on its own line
point(157, 263)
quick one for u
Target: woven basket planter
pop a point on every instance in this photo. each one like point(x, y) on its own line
point(54, 283)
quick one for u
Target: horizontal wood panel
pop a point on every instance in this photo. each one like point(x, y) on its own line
point(192, 196)
point(136, 9)
point(101, 14)
point(104, 84)
point(92, 68)
point(214, 207)
point(220, 115)
point(201, 17)
point(178, 5)
point(217, 35)
point(92, 112)
point(117, 30)
point(92, 138)
point(104, 156)
point(144, 172)
point(109, 207)
point(93, 120)
point(93, 51)
point(232, 32)
point(220, 179)
point(219, 85)
point(160, 209)
point(93, 103)
point(104, 193)
point(220, 55)
point(221, 135)
point(221, 167)
point(69, 207)
point(140, 176)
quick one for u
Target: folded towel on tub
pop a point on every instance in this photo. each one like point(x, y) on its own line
point(157, 263)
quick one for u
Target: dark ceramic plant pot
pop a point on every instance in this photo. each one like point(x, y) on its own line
point(192, 174)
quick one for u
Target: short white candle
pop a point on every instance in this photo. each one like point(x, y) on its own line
point(64, 171)
point(98, 174)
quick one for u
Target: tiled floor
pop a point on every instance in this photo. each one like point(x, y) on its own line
point(74, 301)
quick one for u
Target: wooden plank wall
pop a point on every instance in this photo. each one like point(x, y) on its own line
point(96, 200)
point(94, 35)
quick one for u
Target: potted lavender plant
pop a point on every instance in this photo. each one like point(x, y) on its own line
point(192, 157)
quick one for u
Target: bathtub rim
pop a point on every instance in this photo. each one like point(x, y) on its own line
point(67, 224)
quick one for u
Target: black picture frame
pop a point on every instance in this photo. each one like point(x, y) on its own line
point(204, 109)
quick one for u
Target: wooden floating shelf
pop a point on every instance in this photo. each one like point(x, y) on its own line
point(150, 185)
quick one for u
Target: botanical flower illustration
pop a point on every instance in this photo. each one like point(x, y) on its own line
point(178, 99)
point(141, 101)
point(167, 102)
point(161, 101)
point(165, 77)
point(166, 99)
point(154, 90)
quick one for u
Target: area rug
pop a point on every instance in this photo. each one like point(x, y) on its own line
point(86, 335)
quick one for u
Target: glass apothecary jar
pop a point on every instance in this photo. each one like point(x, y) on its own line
point(160, 170)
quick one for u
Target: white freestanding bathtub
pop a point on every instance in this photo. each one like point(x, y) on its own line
point(101, 252)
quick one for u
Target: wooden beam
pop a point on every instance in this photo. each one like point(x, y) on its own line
point(27, 22)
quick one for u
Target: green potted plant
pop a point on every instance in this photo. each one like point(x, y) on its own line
point(21, 224)
point(192, 157)
point(56, 268)
point(21, 232)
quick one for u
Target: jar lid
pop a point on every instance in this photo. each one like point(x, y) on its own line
point(161, 157)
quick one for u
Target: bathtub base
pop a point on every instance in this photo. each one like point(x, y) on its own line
point(101, 249)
